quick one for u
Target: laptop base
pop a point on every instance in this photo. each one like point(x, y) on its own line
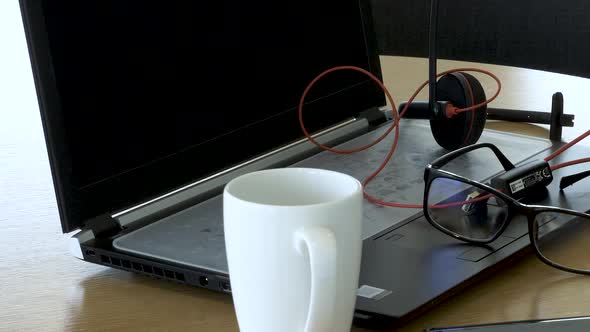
point(188, 246)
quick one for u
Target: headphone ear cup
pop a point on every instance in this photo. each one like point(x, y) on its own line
point(462, 90)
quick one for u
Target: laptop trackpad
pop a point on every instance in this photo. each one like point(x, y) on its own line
point(421, 237)
point(414, 264)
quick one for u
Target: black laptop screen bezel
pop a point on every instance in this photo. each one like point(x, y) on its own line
point(76, 205)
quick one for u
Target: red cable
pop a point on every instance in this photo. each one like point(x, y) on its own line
point(570, 163)
point(453, 204)
point(396, 118)
point(395, 125)
point(472, 111)
point(372, 77)
point(567, 146)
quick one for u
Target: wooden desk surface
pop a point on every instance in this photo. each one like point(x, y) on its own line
point(42, 288)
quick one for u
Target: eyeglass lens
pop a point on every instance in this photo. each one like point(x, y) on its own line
point(465, 210)
point(563, 239)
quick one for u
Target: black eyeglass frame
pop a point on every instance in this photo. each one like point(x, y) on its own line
point(515, 207)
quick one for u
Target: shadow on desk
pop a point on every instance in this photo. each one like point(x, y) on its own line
point(120, 301)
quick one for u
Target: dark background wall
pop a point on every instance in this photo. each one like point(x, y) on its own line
point(551, 35)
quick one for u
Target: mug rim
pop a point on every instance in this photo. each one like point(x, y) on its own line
point(351, 193)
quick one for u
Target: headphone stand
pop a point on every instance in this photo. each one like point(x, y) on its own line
point(556, 119)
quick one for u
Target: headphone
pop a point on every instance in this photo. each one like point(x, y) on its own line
point(457, 105)
point(454, 91)
point(451, 125)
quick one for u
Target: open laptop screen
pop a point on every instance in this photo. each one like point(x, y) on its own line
point(141, 97)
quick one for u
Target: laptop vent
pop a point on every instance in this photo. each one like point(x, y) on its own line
point(214, 282)
point(154, 271)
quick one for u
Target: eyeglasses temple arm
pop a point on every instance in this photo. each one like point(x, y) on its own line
point(450, 156)
point(567, 181)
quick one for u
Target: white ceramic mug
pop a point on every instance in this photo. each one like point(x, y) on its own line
point(293, 241)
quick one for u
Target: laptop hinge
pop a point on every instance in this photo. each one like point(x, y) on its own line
point(375, 116)
point(103, 226)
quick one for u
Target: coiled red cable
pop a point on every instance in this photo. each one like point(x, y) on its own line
point(395, 125)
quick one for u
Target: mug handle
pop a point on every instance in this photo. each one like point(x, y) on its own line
point(321, 247)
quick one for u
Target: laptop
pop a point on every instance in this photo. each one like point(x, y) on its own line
point(149, 108)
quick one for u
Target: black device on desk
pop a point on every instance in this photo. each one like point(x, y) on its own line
point(571, 324)
point(150, 107)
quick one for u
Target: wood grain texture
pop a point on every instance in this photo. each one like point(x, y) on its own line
point(42, 288)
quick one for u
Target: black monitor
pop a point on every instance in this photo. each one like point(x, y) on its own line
point(141, 97)
point(545, 35)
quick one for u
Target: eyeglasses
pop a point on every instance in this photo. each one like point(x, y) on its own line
point(477, 213)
